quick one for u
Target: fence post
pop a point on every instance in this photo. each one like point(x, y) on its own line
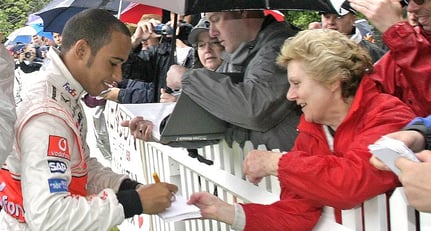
point(402, 216)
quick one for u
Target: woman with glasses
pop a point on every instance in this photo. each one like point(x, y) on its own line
point(208, 51)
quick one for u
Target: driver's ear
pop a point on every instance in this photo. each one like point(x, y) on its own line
point(81, 48)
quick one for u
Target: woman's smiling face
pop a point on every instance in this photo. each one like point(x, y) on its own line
point(314, 98)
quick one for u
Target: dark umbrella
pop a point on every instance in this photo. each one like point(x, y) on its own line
point(57, 12)
point(186, 7)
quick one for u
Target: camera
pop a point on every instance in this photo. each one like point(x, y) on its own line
point(27, 55)
point(163, 29)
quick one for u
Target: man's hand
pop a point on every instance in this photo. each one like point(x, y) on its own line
point(166, 97)
point(381, 13)
point(144, 31)
point(155, 198)
point(412, 139)
point(416, 180)
point(175, 76)
point(112, 94)
point(139, 128)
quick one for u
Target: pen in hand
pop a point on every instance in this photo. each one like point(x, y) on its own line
point(157, 180)
point(156, 177)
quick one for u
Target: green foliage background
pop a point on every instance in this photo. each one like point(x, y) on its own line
point(301, 18)
point(13, 13)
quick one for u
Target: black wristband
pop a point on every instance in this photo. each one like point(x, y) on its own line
point(131, 202)
point(128, 184)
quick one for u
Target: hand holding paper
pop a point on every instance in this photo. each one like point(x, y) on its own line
point(180, 210)
point(388, 149)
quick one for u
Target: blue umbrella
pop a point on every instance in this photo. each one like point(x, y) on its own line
point(57, 12)
point(41, 30)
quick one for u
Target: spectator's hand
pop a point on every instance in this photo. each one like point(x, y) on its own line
point(166, 97)
point(416, 180)
point(377, 163)
point(139, 128)
point(412, 139)
point(21, 57)
point(381, 13)
point(144, 31)
point(112, 94)
point(259, 164)
point(212, 207)
point(155, 198)
point(175, 76)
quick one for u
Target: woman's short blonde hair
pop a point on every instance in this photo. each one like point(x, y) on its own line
point(328, 56)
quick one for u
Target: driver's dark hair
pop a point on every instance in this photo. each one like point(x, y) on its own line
point(93, 25)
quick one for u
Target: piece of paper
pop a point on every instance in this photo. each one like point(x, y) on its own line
point(155, 112)
point(180, 210)
point(388, 150)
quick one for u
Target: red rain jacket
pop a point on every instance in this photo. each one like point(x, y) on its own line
point(405, 71)
point(311, 175)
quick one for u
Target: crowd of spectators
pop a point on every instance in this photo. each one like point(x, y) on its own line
point(350, 93)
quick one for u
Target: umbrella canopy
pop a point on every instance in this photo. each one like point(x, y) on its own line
point(134, 11)
point(57, 12)
point(186, 7)
point(276, 14)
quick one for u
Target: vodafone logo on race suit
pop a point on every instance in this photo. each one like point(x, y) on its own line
point(58, 147)
point(15, 210)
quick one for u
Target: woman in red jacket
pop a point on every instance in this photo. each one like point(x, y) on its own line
point(328, 168)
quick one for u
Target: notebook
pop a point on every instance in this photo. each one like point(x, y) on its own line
point(180, 210)
point(183, 121)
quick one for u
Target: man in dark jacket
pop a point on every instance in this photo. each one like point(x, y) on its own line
point(256, 108)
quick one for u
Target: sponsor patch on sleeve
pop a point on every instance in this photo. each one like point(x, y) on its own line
point(57, 185)
point(56, 166)
point(58, 147)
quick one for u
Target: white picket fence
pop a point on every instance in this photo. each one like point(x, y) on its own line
point(225, 179)
point(174, 165)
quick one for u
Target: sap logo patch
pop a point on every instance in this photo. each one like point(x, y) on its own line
point(58, 147)
point(57, 166)
point(57, 185)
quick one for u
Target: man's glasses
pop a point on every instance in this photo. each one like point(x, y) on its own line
point(212, 44)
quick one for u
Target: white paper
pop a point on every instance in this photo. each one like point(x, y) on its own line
point(155, 112)
point(388, 150)
point(180, 210)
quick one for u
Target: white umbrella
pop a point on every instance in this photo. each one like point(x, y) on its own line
point(26, 30)
point(22, 34)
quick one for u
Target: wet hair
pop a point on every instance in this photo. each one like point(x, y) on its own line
point(93, 25)
point(328, 56)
